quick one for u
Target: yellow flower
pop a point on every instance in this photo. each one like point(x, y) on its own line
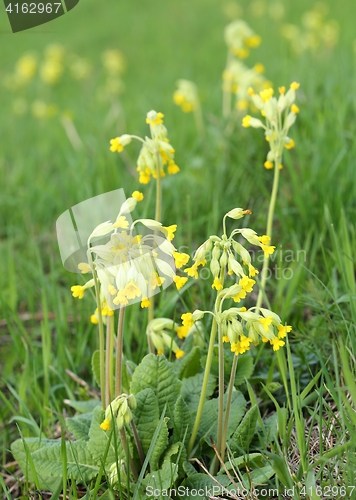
point(225, 338)
point(266, 322)
point(268, 165)
point(187, 319)
point(267, 94)
point(116, 145)
point(268, 250)
point(105, 425)
point(132, 290)
point(294, 85)
point(277, 343)
point(84, 268)
point(120, 299)
point(169, 231)
point(144, 178)
point(121, 222)
point(154, 118)
point(173, 168)
point(253, 41)
point(182, 331)
point(282, 90)
point(239, 296)
point(295, 109)
point(145, 302)
point(77, 291)
point(137, 195)
point(94, 319)
point(246, 284)
point(246, 121)
point(217, 284)
point(283, 330)
point(290, 144)
point(179, 354)
point(179, 281)
point(160, 352)
point(180, 259)
point(264, 239)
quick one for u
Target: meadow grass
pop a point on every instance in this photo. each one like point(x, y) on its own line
point(44, 332)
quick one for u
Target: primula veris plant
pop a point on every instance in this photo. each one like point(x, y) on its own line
point(279, 115)
point(237, 326)
point(240, 38)
point(187, 98)
point(156, 151)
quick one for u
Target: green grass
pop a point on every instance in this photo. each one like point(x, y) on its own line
point(44, 331)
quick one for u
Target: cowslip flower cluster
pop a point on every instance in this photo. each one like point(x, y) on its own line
point(223, 256)
point(280, 114)
point(130, 267)
point(119, 410)
point(241, 327)
point(186, 96)
point(160, 331)
point(156, 151)
point(114, 65)
point(238, 78)
point(315, 31)
point(239, 38)
point(52, 67)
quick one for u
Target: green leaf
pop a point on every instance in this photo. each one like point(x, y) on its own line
point(244, 433)
point(146, 416)
point(189, 364)
point(80, 463)
point(159, 446)
point(22, 448)
point(209, 422)
point(258, 476)
point(102, 444)
point(244, 369)
point(157, 373)
point(191, 389)
point(83, 406)
point(281, 469)
point(79, 426)
point(161, 479)
point(182, 421)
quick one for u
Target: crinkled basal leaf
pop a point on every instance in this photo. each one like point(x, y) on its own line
point(158, 374)
point(20, 452)
point(102, 444)
point(209, 422)
point(182, 421)
point(161, 479)
point(258, 476)
point(191, 389)
point(244, 433)
point(159, 446)
point(95, 366)
point(146, 416)
point(244, 369)
point(80, 464)
point(79, 426)
point(47, 458)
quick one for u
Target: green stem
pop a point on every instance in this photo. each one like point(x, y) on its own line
point(226, 108)
point(137, 442)
point(111, 356)
point(204, 386)
point(228, 407)
point(119, 348)
point(127, 451)
point(221, 388)
point(272, 204)
point(101, 341)
point(107, 361)
point(158, 216)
